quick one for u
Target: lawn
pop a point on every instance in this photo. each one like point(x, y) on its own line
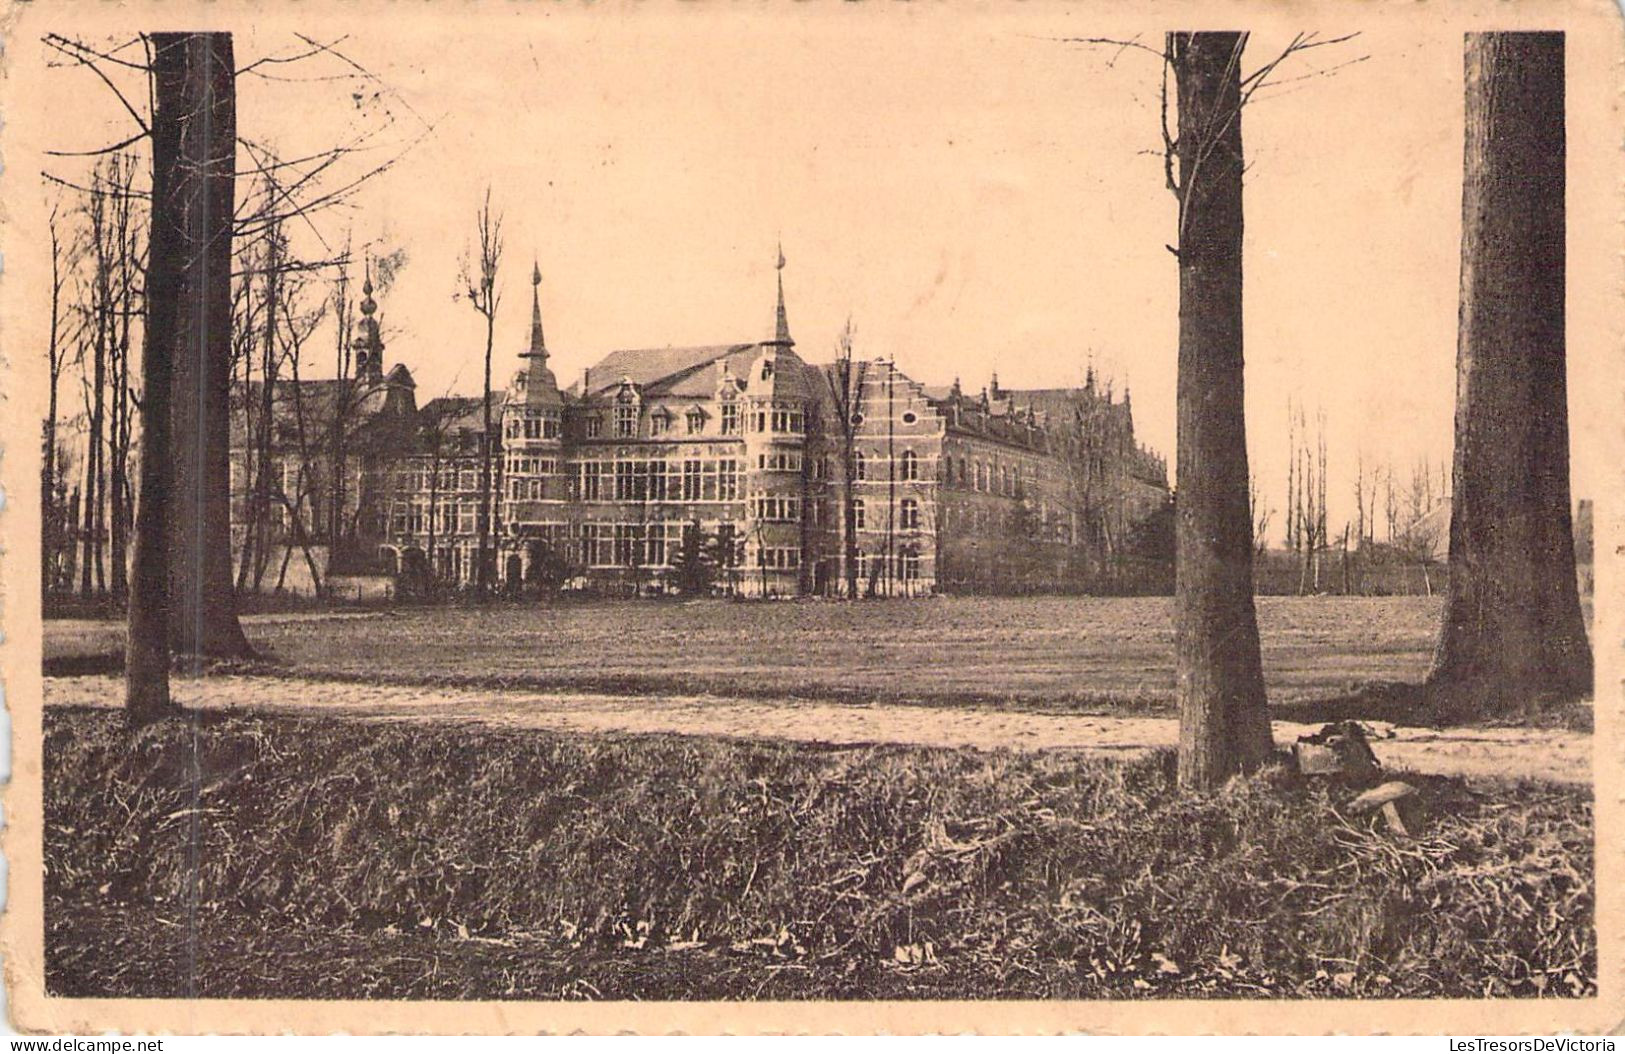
point(1061, 652)
point(257, 856)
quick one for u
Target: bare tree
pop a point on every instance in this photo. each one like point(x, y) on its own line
point(51, 534)
point(478, 281)
point(1224, 725)
point(845, 380)
point(1512, 629)
point(1261, 513)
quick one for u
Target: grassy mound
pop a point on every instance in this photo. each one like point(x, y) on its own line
point(258, 856)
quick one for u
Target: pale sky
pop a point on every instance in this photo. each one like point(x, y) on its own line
point(975, 195)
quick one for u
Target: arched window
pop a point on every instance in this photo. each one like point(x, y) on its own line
point(859, 468)
point(910, 512)
point(909, 468)
point(961, 472)
point(857, 515)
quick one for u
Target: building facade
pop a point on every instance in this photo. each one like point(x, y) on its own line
point(740, 468)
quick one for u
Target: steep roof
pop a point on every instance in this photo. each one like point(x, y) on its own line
point(693, 372)
point(647, 366)
point(460, 413)
point(318, 403)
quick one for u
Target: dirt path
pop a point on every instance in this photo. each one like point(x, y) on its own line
point(1547, 754)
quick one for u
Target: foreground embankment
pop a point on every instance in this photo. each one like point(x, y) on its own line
point(259, 855)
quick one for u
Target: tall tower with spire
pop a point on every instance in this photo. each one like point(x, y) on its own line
point(781, 322)
point(534, 489)
point(368, 345)
point(541, 387)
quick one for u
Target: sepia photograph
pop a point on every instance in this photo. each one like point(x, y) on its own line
point(818, 511)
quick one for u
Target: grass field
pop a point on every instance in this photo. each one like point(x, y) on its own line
point(255, 856)
point(1064, 652)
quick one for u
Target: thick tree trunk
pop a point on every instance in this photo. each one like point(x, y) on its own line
point(1223, 724)
point(1512, 628)
point(174, 188)
point(204, 612)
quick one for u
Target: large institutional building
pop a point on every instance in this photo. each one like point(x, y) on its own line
point(740, 463)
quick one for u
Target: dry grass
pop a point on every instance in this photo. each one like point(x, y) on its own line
point(1065, 653)
point(258, 856)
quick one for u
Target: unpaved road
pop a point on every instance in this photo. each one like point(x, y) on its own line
point(1546, 754)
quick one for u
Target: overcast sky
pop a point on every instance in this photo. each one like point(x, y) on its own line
point(976, 196)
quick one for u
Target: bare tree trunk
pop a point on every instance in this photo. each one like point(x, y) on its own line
point(265, 441)
point(119, 436)
point(205, 613)
point(52, 520)
point(1512, 629)
point(1224, 726)
point(180, 89)
point(91, 571)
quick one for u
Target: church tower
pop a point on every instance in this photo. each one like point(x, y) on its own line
point(367, 345)
point(533, 448)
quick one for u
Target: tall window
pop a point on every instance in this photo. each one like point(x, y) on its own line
point(658, 423)
point(595, 426)
point(730, 418)
point(909, 466)
point(908, 564)
point(691, 480)
point(626, 419)
point(858, 522)
point(696, 421)
point(909, 511)
point(859, 469)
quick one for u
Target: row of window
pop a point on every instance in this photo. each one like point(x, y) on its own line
point(526, 465)
point(450, 477)
point(778, 559)
point(983, 476)
point(532, 427)
point(910, 467)
point(908, 515)
point(779, 461)
point(527, 489)
point(905, 565)
point(649, 544)
point(776, 508)
point(454, 517)
point(690, 479)
point(627, 414)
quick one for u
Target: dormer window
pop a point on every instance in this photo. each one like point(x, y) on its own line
point(767, 369)
point(626, 411)
point(659, 422)
point(696, 422)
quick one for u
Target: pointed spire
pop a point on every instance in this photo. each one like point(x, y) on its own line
point(538, 343)
point(368, 304)
point(781, 329)
point(368, 345)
